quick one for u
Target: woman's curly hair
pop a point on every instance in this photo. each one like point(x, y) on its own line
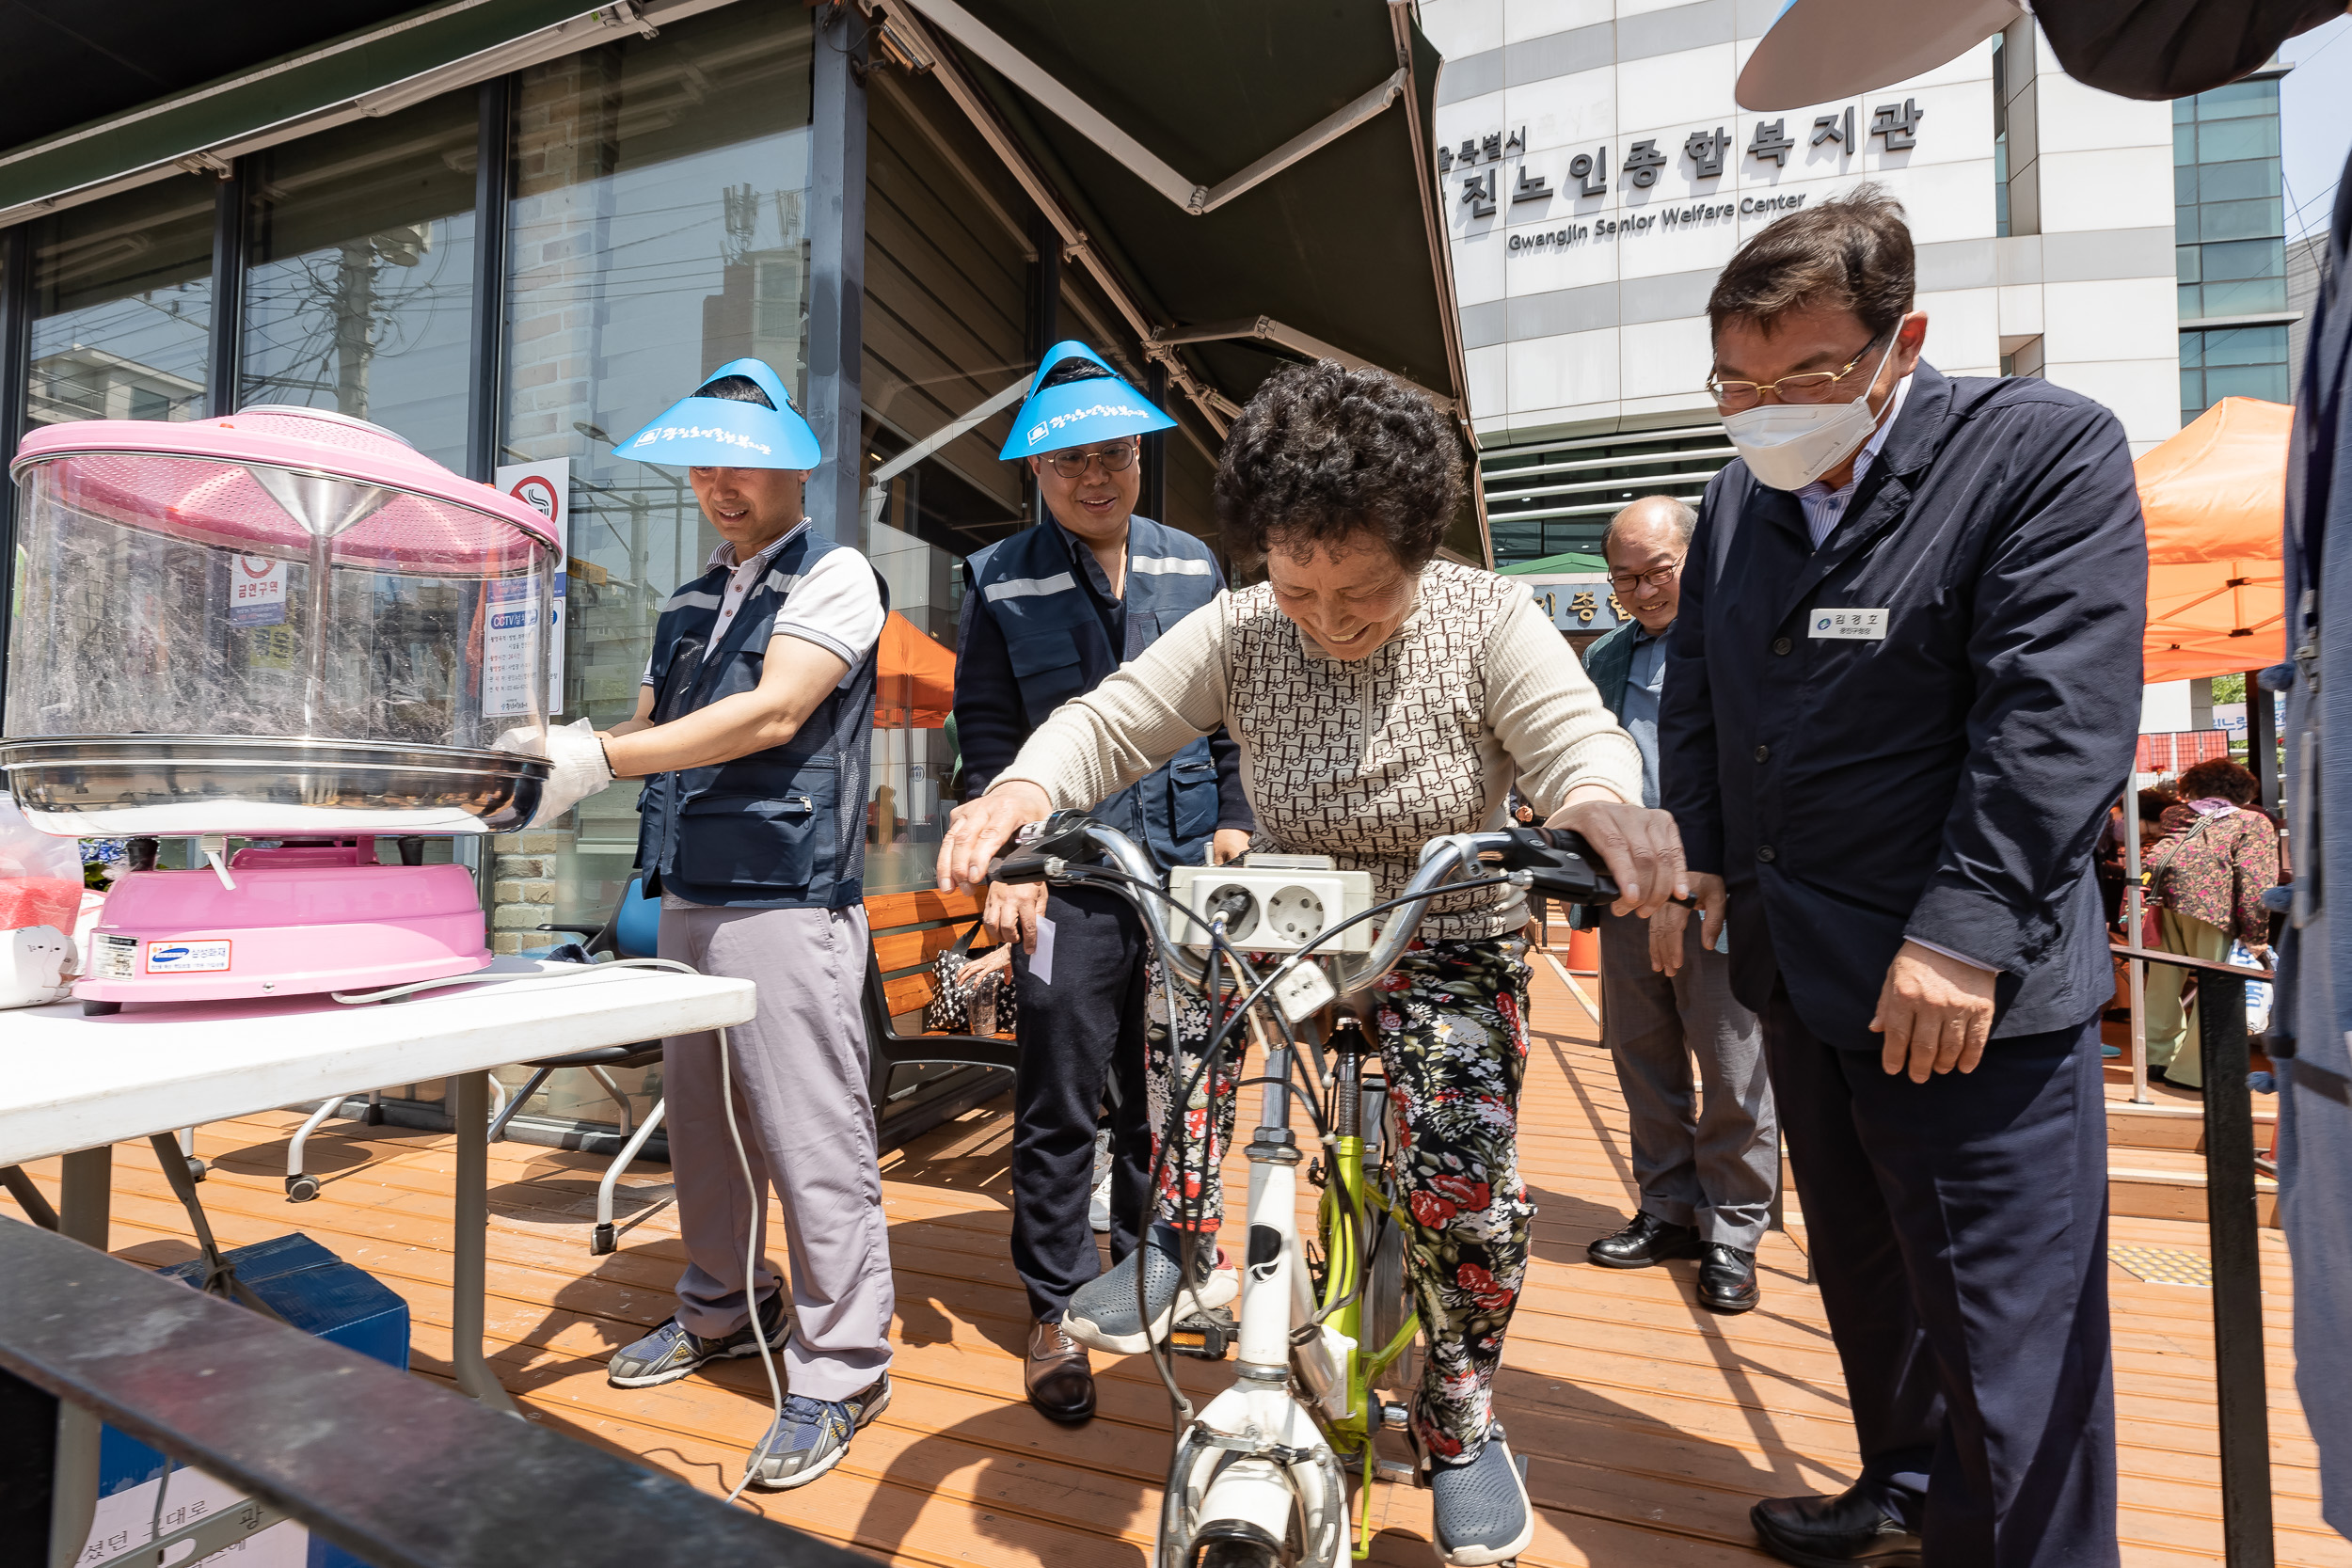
point(1325, 454)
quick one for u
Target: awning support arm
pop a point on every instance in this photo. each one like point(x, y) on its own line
point(908, 23)
point(1272, 331)
point(878, 487)
point(1141, 161)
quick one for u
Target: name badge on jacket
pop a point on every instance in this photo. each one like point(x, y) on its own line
point(1851, 625)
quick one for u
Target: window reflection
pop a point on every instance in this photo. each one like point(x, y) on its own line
point(657, 230)
point(358, 290)
point(122, 305)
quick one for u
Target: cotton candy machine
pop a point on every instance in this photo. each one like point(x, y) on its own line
point(281, 626)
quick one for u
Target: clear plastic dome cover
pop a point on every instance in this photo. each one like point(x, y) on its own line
point(276, 573)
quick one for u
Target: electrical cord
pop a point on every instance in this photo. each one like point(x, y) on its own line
point(576, 975)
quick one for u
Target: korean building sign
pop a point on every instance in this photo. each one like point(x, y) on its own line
point(1707, 151)
point(1579, 604)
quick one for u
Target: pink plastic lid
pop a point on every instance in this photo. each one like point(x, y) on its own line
point(238, 481)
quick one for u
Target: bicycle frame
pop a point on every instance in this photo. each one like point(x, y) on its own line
point(1260, 1468)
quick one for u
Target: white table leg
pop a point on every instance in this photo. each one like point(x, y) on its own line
point(469, 1246)
point(83, 1214)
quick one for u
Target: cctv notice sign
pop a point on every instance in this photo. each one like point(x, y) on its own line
point(547, 489)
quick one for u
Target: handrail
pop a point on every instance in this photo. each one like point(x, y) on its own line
point(2233, 1235)
point(399, 1472)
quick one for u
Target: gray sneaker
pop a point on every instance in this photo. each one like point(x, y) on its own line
point(1483, 1512)
point(1102, 1314)
point(812, 1435)
point(669, 1352)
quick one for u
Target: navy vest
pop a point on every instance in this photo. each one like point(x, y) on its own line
point(783, 829)
point(1054, 636)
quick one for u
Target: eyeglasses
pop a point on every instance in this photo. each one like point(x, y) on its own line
point(1073, 464)
point(1660, 576)
point(1813, 387)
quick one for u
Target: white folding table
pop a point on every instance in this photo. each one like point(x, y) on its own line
point(76, 1085)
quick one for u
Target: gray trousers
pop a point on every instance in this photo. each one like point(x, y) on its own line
point(1715, 1164)
point(801, 1102)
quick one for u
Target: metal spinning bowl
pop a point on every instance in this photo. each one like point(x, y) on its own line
point(266, 787)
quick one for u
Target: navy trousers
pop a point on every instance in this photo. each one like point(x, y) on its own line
point(1079, 1028)
point(1958, 1229)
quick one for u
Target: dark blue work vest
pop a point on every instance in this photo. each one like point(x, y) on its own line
point(1058, 648)
point(783, 829)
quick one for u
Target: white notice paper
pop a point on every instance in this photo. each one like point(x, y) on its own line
point(1042, 961)
point(1851, 625)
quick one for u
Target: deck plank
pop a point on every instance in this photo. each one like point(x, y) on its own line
point(1650, 1426)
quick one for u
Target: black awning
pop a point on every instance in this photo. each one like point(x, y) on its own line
point(1138, 113)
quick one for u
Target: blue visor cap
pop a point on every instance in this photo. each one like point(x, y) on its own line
point(1078, 399)
point(722, 425)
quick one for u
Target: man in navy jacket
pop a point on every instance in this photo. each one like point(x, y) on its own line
point(1047, 614)
point(1898, 704)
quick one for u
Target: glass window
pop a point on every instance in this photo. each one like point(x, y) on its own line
point(358, 292)
point(657, 230)
point(2230, 139)
point(2189, 260)
point(2240, 220)
point(2245, 345)
point(2252, 297)
point(122, 305)
point(2239, 98)
point(2249, 177)
point(2244, 259)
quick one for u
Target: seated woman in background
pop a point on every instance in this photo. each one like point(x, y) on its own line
point(2207, 876)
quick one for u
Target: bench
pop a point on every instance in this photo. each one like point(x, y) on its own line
point(917, 1079)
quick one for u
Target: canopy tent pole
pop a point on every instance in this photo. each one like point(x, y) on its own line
point(2261, 737)
point(2135, 906)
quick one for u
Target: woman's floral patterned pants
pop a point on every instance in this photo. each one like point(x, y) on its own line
point(1452, 1021)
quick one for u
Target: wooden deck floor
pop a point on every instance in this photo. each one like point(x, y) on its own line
point(1651, 1425)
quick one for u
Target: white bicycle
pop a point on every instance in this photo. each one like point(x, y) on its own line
point(1328, 1331)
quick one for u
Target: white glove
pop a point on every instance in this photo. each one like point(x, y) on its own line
point(580, 768)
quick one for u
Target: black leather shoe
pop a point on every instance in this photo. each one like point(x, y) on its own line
point(1829, 1533)
point(1648, 1240)
point(1057, 1375)
point(1727, 1279)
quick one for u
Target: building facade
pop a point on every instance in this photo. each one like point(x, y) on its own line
point(1598, 173)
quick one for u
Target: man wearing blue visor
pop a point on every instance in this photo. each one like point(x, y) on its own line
point(1047, 614)
point(752, 734)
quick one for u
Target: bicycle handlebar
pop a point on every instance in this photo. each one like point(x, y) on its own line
point(1547, 860)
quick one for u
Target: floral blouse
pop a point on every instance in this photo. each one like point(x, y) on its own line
point(2220, 875)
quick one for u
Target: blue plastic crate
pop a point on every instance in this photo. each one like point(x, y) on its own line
point(317, 1293)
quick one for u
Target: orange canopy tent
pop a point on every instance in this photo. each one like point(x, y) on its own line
point(915, 687)
point(2215, 497)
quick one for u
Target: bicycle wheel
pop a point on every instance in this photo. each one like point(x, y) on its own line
point(1388, 1303)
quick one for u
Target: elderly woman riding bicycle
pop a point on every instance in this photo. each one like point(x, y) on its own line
point(1380, 697)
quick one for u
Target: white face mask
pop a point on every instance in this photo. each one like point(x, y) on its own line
point(1789, 445)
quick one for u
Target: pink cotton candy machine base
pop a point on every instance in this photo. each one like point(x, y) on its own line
point(298, 921)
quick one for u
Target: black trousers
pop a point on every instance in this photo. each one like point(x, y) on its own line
point(1083, 1026)
point(1958, 1229)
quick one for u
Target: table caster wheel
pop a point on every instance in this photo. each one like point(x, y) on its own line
point(372, 1117)
point(600, 1242)
point(301, 1189)
point(196, 1168)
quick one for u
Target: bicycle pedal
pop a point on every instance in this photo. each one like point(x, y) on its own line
point(1204, 1336)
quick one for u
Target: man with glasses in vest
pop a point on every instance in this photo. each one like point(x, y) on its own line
point(753, 733)
point(1047, 614)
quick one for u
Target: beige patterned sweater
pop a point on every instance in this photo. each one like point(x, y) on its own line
point(1363, 761)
